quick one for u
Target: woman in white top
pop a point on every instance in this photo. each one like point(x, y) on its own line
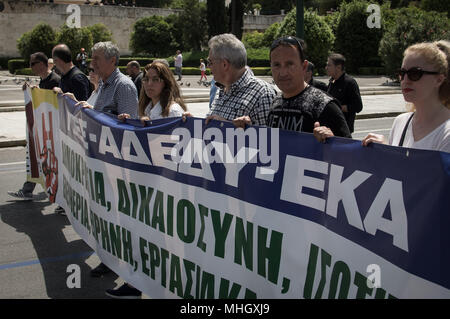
point(160, 95)
point(425, 85)
point(94, 79)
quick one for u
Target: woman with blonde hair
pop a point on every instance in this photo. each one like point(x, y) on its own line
point(160, 95)
point(425, 86)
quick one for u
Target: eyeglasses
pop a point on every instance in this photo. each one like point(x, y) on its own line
point(289, 40)
point(414, 74)
point(152, 80)
point(33, 63)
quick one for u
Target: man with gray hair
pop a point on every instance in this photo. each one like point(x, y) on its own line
point(117, 93)
point(240, 93)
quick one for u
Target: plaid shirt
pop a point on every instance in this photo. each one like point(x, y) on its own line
point(247, 96)
point(117, 95)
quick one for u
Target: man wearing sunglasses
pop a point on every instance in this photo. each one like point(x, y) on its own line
point(301, 107)
point(344, 88)
point(49, 80)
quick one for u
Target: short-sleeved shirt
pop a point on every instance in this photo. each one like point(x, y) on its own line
point(179, 61)
point(247, 96)
point(300, 112)
point(117, 95)
point(154, 113)
point(76, 82)
point(51, 81)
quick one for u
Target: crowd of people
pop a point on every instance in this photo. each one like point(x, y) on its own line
point(304, 104)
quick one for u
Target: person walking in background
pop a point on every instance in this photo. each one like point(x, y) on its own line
point(202, 68)
point(424, 78)
point(178, 65)
point(134, 71)
point(309, 78)
point(344, 88)
point(82, 60)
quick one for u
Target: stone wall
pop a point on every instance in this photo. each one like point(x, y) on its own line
point(18, 17)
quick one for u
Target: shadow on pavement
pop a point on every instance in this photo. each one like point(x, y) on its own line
point(54, 252)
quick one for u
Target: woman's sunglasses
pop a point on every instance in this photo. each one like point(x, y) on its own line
point(414, 74)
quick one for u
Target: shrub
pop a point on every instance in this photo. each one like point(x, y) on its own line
point(42, 38)
point(354, 39)
point(259, 71)
point(270, 34)
point(24, 71)
point(253, 39)
point(100, 33)
point(318, 36)
point(436, 5)
point(75, 39)
point(15, 64)
point(412, 25)
point(258, 57)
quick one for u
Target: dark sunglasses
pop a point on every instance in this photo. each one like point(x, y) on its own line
point(34, 62)
point(288, 40)
point(414, 74)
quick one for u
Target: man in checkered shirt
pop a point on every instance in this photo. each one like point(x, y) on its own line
point(240, 93)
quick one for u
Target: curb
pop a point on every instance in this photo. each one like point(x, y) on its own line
point(12, 143)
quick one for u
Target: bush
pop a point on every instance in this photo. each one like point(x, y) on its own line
point(253, 39)
point(100, 33)
point(318, 36)
point(270, 34)
point(24, 71)
point(15, 64)
point(259, 71)
point(412, 25)
point(436, 5)
point(4, 61)
point(42, 38)
point(357, 42)
point(258, 57)
point(75, 39)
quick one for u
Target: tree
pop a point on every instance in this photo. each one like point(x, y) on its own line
point(318, 35)
point(436, 5)
point(194, 24)
point(42, 38)
point(354, 39)
point(75, 39)
point(236, 13)
point(216, 16)
point(412, 25)
point(100, 33)
point(151, 35)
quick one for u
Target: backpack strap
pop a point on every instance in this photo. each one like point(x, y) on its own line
point(404, 130)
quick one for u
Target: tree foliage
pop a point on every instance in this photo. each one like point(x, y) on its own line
point(354, 39)
point(216, 17)
point(100, 33)
point(318, 35)
point(151, 35)
point(194, 24)
point(436, 5)
point(75, 39)
point(412, 25)
point(42, 38)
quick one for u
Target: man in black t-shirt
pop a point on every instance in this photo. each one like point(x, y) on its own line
point(301, 107)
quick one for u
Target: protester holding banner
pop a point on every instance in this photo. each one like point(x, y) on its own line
point(161, 96)
point(117, 93)
point(425, 84)
point(240, 92)
point(73, 80)
point(301, 107)
point(49, 80)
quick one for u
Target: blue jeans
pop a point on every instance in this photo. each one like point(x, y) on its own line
point(212, 92)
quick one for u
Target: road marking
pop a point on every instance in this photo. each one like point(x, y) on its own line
point(12, 163)
point(46, 260)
